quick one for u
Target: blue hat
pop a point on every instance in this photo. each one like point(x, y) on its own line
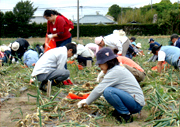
point(151, 39)
point(133, 43)
point(104, 55)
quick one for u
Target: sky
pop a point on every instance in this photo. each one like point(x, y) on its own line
point(69, 7)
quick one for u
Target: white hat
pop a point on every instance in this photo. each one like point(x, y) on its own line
point(122, 33)
point(3, 48)
point(73, 42)
point(138, 45)
point(15, 46)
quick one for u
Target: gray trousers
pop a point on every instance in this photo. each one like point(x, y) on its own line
point(59, 75)
point(125, 47)
point(153, 58)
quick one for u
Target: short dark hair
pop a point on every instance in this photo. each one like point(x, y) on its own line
point(112, 63)
point(155, 48)
point(71, 46)
point(174, 36)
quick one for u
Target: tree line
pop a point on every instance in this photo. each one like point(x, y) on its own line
point(167, 14)
point(16, 23)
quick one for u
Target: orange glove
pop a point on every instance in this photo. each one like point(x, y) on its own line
point(119, 54)
point(74, 96)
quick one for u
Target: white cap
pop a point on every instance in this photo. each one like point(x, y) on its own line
point(15, 46)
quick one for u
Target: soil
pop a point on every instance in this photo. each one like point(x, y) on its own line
point(16, 108)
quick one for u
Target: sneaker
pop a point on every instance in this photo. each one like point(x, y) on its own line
point(116, 115)
point(69, 82)
point(65, 82)
point(127, 118)
point(122, 117)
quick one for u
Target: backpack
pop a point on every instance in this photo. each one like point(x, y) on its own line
point(69, 22)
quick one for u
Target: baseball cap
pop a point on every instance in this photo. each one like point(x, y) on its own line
point(151, 39)
point(155, 48)
point(104, 55)
point(133, 38)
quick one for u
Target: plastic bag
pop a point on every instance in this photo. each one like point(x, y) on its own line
point(49, 44)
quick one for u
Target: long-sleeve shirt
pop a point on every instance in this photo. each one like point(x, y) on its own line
point(60, 27)
point(114, 41)
point(120, 78)
point(129, 62)
point(23, 46)
point(50, 61)
point(81, 50)
point(30, 57)
point(94, 47)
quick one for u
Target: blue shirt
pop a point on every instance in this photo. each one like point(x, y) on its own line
point(30, 57)
point(152, 44)
point(178, 43)
point(172, 54)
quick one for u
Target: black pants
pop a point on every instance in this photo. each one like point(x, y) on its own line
point(83, 60)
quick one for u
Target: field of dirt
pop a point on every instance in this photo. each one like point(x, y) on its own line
point(16, 108)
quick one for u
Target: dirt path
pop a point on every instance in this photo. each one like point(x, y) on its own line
point(16, 108)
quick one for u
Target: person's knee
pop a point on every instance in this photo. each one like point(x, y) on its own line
point(107, 92)
point(67, 74)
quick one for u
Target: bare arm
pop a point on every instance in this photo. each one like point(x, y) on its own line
point(159, 66)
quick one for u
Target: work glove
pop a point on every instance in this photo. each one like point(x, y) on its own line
point(100, 76)
point(81, 103)
point(50, 36)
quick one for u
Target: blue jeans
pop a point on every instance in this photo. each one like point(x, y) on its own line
point(129, 55)
point(63, 43)
point(122, 101)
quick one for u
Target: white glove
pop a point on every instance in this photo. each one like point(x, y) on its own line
point(13, 60)
point(50, 36)
point(100, 76)
point(81, 103)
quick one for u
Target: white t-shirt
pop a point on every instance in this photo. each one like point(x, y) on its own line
point(161, 56)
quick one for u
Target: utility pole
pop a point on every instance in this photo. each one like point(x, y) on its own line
point(121, 15)
point(77, 19)
point(151, 5)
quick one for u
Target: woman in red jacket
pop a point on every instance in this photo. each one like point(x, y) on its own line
point(57, 27)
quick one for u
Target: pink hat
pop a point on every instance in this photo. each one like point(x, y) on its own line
point(98, 40)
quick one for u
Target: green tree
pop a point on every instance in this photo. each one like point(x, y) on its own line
point(10, 24)
point(170, 20)
point(114, 11)
point(1, 24)
point(24, 11)
point(164, 5)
